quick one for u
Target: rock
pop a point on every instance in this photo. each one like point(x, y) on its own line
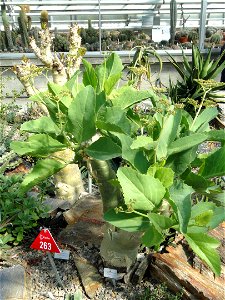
point(89, 275)
point(85, 221)
point(88, 206)
point(182, 270)
point(13, 284)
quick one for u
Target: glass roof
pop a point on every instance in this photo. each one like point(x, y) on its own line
point(118, 13)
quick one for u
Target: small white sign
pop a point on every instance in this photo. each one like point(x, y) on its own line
point(140, 256)
point(110, 273)
point(64, 254)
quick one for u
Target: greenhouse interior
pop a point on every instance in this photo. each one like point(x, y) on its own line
point(117, 25)
point(112, 149)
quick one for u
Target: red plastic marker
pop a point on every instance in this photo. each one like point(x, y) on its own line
point(45, 242)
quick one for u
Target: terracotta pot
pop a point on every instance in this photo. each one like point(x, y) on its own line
point(183, 39)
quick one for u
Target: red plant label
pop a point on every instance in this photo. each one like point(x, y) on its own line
point(45, 242)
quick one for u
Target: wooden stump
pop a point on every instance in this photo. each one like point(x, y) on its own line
point(180, 269)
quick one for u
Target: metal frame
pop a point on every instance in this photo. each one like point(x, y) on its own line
point(106, 12)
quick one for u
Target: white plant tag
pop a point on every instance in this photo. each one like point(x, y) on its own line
point(140, 256)
point(64, 254)
point(110, 273)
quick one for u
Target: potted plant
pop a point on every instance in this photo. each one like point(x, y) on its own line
point(183, 37)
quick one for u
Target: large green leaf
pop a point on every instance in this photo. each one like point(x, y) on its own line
point(216, 135)
point(143, 191)
point(179, 162)
point(180, 195)
point(37, 145)
point(198, 182)
point(168, 134)
point(165, 175)
point(104, 149)
point(217, 218)
point(42, 170)
point(143, 141)
point(89, 76)
point(161, 222)
point(128, 96)
point(135, 157)
point(113, 119)
point(42, 125)
point(214, 164)
point(109, 68)
point(81, 115)
point(73, 84)
point(126, 221)
point(111, 82)
point(186, 142)
point(204, 118)
point(152, 237)
point(204, 246)
point(51, 105)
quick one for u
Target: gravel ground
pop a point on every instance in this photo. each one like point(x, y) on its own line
point(43, 283)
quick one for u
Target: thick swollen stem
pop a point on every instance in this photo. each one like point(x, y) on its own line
point(68, 181)
point(103, 174)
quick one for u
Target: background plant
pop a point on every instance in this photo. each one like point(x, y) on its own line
point(187, 90)
point(18, 213)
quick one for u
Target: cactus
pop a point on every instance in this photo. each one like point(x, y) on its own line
point(4, 44)
point(23, 22)
point(173, 20)
point(76, 296)
point(215, 38)
point(44, 19)
point(7, 27)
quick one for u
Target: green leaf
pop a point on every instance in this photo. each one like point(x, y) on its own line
point(81, 114)
point(168, 134)
point(204, 246)
point(180, 195)
point(165, 175)
point(109, 68)
point(187, 142)
point(89, 75)
point(42, 125)
point(127, 221)
point(143, 141)
point(179, 162)
point(201, 207)
point(152, 237)
point(204, 218)
point(143, 191)
point(216, 135)
point(37, 145)
point(198, 182)
point(135, 157)
point(113, 119)
point(127, 96)
point(217, 218)
point(42, 170)
point(104, 149)
point(161, 222)
point(214, 164)
point(111, 82)
point(204, 118)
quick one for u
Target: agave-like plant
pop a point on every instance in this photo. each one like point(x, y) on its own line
point(187, 90)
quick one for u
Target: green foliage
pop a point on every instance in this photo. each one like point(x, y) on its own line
point(140, 66)
point(196, 77)
point(18, 213)
point(154, 187)
point(160, 292)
